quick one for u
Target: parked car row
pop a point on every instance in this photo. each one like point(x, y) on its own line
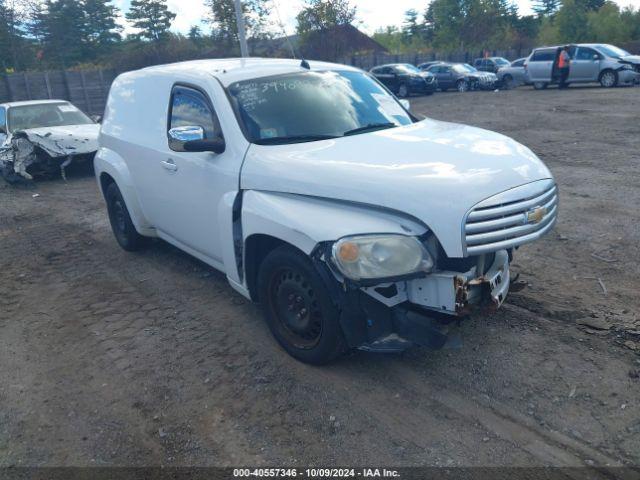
point(590, 62)
point(405, 79)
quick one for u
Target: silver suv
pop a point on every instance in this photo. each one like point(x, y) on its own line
point(590, 62)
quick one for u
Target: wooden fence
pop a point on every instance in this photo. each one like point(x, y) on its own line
point(86, 89)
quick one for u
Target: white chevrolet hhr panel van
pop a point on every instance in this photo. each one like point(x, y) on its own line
point(353, 223)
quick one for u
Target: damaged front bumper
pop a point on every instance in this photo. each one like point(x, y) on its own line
point(423, 311)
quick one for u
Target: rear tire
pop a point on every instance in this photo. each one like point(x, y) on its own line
point(608, 79)
point(123, 229)
point(298, 308)
point(403, 91)
point(462, 86)
point(508, 82)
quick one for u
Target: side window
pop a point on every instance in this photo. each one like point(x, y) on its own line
point(585, 54)
point(543, 56)
point(519, 63)
point(375, 71)
point(190, 107)
point(3, 120)
point(445, 69)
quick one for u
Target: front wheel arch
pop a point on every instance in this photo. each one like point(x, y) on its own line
point(602, 78)
point(256, 249)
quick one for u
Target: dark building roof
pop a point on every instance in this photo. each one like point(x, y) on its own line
point(331, 44)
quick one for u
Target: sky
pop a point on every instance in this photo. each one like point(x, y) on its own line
point(372, 14)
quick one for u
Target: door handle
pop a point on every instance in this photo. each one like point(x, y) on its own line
point(169, 165)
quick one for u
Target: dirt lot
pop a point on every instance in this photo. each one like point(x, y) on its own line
point(111, 358)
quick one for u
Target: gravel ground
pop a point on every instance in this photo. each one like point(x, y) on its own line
point(111, 358)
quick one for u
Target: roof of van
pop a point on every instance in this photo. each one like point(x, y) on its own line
point(30, 102)
point(571, 45)
point(230, 70)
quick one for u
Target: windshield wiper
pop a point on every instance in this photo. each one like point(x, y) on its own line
point(293, 139)
point(369, 128)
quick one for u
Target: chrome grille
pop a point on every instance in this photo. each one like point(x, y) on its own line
point(504, 222)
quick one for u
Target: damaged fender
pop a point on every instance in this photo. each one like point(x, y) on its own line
point(304, 222)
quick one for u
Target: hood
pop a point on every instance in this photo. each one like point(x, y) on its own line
point(434, 171)
point(631, 58)
point(64, 140)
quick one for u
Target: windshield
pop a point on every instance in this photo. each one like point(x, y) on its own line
point(464, 68)
point(405, 67)
point(612, 51)
point(309, 106)
point(45, 115)
point(501, 61)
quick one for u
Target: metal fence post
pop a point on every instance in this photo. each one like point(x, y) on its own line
point(84, 91)
point(47, 84)
point(26, 86)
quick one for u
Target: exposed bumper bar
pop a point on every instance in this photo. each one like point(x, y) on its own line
point(421, 311)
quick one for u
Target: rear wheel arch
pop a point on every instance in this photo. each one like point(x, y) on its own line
point(105, 181)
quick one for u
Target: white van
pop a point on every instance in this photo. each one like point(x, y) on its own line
point(320, 196)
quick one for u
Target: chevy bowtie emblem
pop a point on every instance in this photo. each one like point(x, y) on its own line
point(535, 215)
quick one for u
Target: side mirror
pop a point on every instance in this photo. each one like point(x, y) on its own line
point(596, 57)
point(191, 139)
point(96, 118)
point(406, 104)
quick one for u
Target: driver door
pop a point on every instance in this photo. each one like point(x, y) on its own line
point(585, 65)
point(189, 186)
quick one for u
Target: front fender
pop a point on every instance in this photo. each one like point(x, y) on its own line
point(306, 221)
point(110, 163)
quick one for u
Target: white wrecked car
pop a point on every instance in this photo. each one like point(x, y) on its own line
point(320, 196)
point(43, 137)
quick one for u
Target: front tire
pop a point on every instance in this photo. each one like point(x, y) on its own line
point(298, 308)
point(123, 229)
point(403, 91)
point(462, 86)
point(540, 85)
point(609, 79)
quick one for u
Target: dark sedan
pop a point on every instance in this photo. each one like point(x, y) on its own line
point(462, 77)
point(404, 79)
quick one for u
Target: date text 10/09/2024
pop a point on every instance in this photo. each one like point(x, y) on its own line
point(316, 473)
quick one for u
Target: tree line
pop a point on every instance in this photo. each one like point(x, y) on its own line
point(54, 34)
point(477, 25)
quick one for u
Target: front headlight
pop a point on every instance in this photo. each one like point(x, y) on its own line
point(380, 256)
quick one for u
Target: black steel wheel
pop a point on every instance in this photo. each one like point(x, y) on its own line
point(298, 308)
point(121, 225)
